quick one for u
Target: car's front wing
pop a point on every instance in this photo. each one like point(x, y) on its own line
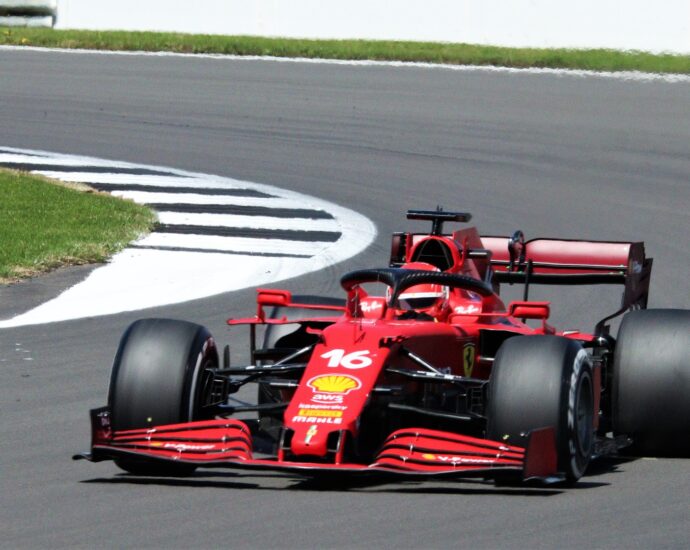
point(227, 443)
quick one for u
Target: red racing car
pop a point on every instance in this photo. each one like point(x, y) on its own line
point(420, 370)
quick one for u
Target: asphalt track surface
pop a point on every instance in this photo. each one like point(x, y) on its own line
point(552, 155)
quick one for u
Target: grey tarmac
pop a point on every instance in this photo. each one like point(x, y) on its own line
point(553, 155)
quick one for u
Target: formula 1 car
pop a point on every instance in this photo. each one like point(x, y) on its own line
point(420, 371)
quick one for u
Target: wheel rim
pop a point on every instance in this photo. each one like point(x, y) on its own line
point(204, 400)
point(201, 389)
point(584, 416)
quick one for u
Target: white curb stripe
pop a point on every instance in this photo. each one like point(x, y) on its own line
point(235, 244)
point(137, 179)
point(145, 197)
point(56, 161)
point(251, 222)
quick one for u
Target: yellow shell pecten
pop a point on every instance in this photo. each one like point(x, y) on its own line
point(334, 383)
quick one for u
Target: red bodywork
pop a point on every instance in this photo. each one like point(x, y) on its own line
point(365, 349)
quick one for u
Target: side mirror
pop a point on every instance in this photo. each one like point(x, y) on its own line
point(516, 251)
point(529, 310)
point(271, 297)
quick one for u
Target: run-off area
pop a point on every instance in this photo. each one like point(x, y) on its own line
point(214, 235)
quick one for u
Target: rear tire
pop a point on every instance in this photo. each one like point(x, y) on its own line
point(651, 381)
point(539, 382)
point(158, 378)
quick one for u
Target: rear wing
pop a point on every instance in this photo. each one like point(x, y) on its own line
point(572, 262)
point(538, 261)
point(568, 262)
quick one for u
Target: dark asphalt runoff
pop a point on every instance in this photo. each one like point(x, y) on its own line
point(553, 155)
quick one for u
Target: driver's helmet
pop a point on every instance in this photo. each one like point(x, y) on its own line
point(427, 297)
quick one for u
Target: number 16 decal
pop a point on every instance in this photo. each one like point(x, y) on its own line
point(354, 360)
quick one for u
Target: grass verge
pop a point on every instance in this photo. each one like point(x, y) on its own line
point(44, 225)
point(432, 52)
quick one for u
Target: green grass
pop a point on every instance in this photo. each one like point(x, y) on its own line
point(44, 225)
point(456, 54)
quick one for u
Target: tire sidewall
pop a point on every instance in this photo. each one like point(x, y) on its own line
point(577, 447)
point(203, 355)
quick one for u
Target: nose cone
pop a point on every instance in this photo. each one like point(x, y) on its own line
point(324, 404)
point(310, 439)
point(334, 387)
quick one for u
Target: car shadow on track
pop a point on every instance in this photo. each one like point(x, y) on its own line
point(172, 482)
point(290, 483)
point(606, 465)
point(428, 487)
point(370, 483)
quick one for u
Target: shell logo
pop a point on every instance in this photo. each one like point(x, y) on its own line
point(334, 383)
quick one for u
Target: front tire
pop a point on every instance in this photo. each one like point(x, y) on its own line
point(159, 377)
point(539, 382)
point(651, 381)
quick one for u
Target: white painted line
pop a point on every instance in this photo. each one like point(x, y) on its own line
point(55, 161)
point(145, 197)
point(11, 157)
point(197, 266)
point(235, 244)
point(622, 75)
point(249, 222)
point(129, 179)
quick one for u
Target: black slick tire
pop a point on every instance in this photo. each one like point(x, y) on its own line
point(651, 381)
point(539, 382)
point(158, 377)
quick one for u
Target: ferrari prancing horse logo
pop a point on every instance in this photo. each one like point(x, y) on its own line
point(468, 352)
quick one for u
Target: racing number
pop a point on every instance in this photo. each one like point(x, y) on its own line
point(354, 360)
